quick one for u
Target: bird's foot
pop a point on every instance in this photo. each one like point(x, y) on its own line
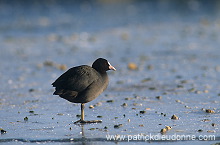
point(85, 122)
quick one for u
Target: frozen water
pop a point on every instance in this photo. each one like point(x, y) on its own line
point(175, 46)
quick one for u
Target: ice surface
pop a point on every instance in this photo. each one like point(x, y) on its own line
point(175, 46)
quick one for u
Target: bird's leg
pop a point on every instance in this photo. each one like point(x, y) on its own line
point(82, 112)
point(82, 121)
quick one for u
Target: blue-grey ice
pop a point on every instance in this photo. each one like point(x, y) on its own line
point(175, 46)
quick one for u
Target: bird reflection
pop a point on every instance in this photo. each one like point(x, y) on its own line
point(82, 131)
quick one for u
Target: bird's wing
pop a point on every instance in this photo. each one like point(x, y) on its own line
point(76, 78)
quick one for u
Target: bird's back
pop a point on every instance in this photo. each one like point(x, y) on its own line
point(80, 84)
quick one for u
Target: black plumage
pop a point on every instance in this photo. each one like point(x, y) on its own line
point(83, 83)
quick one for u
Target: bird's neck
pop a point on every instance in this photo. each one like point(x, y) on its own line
point(104, 76)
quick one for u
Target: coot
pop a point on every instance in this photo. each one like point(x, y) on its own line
point(82, 84)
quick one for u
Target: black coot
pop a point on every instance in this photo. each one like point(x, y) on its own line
point(82, 84)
